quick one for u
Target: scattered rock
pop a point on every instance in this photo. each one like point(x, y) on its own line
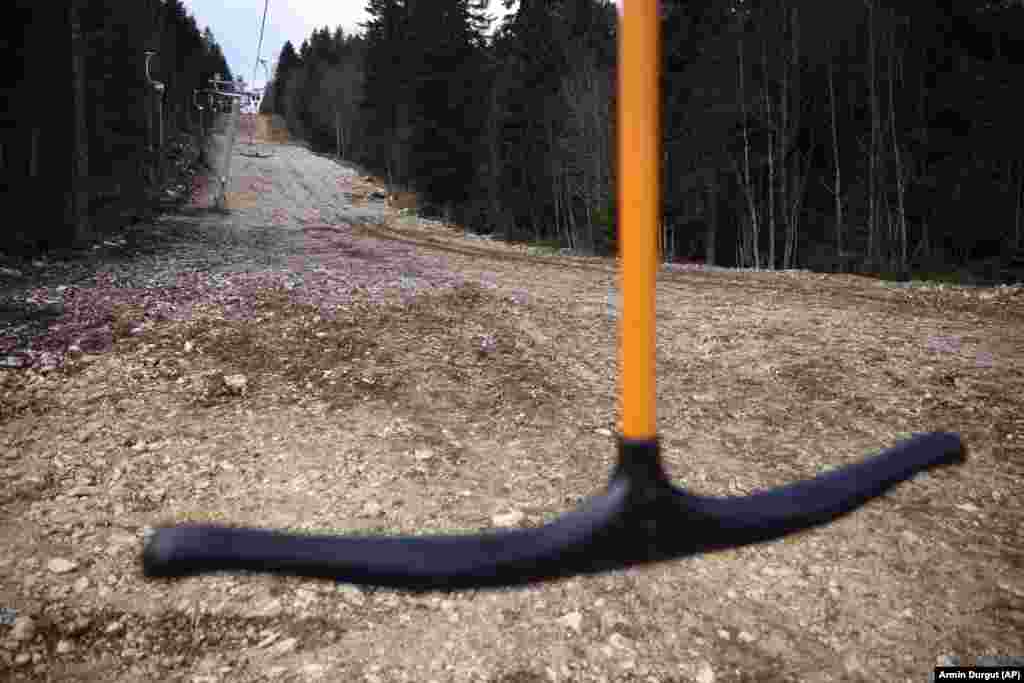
point(909, 536)
point(81, 584)
point(82, 491)
point(1012, 585)
point(24, 629)
point(619, 641)
point(22, 659)
point(268, 641)
point(706, 673)
point(59, 565)
point(268, 608)
point(371, 509)
point(511, 519)
point(853, 665)
point(351, 593)
point(745, 637)
point(774, 571)
point(64, 647)
point(78, 626)
point(314, 671)
point(236, 383)
point(284, 647)
point(573, 620)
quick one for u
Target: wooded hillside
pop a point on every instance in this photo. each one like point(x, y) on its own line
point(875, 136)
point(87, 142)
point(878, 136)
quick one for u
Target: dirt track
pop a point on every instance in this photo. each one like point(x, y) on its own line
point(312, 360)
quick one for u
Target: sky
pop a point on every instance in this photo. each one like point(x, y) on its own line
point(236, 26)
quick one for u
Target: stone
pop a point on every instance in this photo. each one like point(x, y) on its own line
point(59, 565)
point(284, 647)
point(372, 509)
point(619, 641)
point(573, 620)
point(706, 674)
point(236, 383)
point(508, 520)
point(268, 608)
point(24, 629)
point(351, 593)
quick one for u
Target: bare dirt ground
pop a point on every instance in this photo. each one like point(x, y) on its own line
point(312, 360)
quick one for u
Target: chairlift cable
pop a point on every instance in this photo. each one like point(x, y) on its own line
point(259, 46)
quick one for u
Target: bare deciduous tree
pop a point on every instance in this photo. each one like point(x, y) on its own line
point(80, 174)
point(873, 246)
point(749, 239)
point(900, 193)
point(837, 188)
point(584, 152)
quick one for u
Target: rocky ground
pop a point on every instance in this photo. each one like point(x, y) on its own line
point(312, 360)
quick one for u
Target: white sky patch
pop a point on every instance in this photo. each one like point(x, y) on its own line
point(236, 26)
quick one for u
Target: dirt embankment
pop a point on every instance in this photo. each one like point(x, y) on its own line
point(311, 360)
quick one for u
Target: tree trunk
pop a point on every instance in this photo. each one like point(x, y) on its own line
point(873, 247)
point(1018, 212)
point(750, 253)
point(80, 163)
point(773, 138)
point(900, 194)
point(838, 186)
point(337, 131)
point(711, 225)
point(496, 215)
point(793, 187)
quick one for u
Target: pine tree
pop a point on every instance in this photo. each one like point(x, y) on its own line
point(386, 96)
point(447, 111)
point(286, 64)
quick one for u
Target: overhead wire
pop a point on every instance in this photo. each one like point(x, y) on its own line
point(259, 46)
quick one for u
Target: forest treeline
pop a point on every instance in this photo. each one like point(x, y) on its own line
point(83, 120)
point(131, 125)
point(858, 135)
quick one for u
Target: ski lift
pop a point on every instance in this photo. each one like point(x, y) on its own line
point(641, 517)
point(159, 88)
point(157, 85)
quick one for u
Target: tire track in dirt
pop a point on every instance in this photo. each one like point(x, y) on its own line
point(895, 297)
